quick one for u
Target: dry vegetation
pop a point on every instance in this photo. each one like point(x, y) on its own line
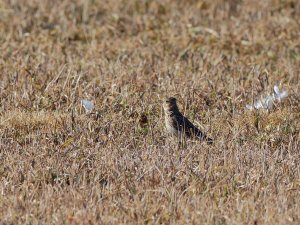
point(59, 165)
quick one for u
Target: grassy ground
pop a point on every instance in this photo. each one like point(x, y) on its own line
point(59, 165)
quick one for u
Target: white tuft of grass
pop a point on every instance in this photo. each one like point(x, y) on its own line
point(87, 105)
point(268, 101)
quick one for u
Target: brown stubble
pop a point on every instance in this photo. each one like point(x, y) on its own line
point(117, 165)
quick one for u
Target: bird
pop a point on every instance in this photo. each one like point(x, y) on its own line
point(178, 125)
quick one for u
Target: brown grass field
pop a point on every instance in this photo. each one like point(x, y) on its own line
point(117, 165)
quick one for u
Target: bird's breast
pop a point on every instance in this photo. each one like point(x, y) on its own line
point(169, 125)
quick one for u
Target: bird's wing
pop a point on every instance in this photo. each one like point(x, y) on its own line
point(192, 130)
point(184, 125)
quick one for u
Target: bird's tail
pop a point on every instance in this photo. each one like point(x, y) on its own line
point(203, 137)
point(209, 141)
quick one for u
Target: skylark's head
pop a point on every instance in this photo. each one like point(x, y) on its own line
point(170, 104)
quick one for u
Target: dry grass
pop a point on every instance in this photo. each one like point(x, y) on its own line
point(117, 166)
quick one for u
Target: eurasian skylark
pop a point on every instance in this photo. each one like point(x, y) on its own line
point(179, 125)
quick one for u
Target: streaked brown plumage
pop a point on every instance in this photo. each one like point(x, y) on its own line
point(178, 124)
